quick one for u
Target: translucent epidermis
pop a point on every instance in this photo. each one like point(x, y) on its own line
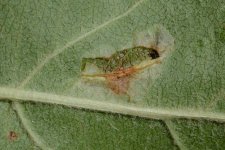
point(156, 37)
point(120, 60)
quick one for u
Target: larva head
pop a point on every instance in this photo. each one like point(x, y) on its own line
point(153, 53)
point(157, 38)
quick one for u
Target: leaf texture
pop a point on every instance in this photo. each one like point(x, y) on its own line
point(178, 104)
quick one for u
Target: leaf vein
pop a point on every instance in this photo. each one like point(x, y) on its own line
point(35, 137)
point(174, 135)
point(152, 113)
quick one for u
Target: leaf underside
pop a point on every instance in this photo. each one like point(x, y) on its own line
point(178, 104)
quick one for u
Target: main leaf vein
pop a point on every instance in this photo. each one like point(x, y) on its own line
point(153, 113)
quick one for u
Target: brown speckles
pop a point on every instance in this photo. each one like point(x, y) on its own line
point(12, 136)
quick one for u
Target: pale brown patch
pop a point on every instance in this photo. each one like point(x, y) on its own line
point(119, 85)
point(118, 81)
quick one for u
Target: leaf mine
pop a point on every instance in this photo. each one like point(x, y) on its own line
point(149, 48)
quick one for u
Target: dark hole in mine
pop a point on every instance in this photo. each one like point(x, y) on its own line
point(153, 54)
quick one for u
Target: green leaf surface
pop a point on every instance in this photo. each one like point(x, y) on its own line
point(178, 104)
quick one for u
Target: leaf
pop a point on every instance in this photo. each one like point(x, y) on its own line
point(178, 104)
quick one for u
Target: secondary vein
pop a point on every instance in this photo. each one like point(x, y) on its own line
point(174, 135)
point(74, 41)
point(26, 125)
